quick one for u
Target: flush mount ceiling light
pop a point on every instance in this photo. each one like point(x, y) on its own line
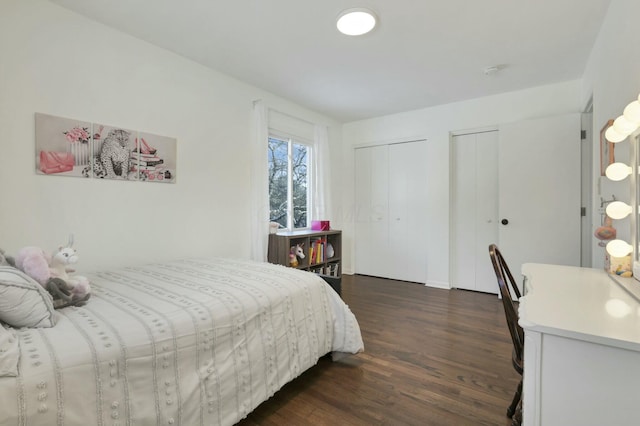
point(356, 22)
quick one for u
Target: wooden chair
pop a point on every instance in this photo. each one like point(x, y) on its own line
point(505, 280)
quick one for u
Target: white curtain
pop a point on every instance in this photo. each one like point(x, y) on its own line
point(320, 175)
point(259, 183)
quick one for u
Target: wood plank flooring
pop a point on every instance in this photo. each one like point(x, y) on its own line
point(432, 357)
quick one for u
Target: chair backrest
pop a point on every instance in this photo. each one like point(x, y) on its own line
point(505, 280)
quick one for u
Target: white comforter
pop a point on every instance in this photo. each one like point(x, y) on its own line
point(193, 342)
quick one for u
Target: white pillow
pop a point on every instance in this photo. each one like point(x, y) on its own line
point(9, 354)
point(24, 302)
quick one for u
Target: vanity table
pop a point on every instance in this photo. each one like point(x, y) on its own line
point(582, 347)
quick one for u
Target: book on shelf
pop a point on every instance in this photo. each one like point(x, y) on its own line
point(148, 162)
point(143, 155)
point(135, 168)
point(332, 270)
point(318, 251)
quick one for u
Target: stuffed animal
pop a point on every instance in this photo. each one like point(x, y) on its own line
point(53, 274)
point(61, 294)
point(61, 267)
point(34, 262)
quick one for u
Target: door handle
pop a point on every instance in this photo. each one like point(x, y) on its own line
point(504, 221)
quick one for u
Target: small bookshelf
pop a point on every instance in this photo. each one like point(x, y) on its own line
point(322, 252)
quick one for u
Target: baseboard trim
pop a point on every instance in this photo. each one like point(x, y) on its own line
point(438, 284)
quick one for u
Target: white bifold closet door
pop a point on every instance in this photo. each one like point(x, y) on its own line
point(391, 220)
point(474, 223)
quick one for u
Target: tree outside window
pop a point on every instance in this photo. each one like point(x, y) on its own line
point(288, 182)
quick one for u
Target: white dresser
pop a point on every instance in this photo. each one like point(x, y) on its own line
point(582, 348)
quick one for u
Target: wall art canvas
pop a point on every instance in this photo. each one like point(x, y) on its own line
point(63, 145)
point(114, 153)
point(156, 158)
point(70, 147)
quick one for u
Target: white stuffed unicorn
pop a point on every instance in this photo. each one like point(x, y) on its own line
point(60, 267)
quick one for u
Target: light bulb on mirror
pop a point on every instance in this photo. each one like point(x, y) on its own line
point(624, 126)
point(618, 210)
point(619, 248)
point(614, 136)
point(632, 112)
point(618, 171)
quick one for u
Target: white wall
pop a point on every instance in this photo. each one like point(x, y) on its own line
point(435, 124)
point(612, 75)
point(57, 62)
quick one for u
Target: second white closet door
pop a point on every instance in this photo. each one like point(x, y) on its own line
point(390, 218)
point(407, 210)
point(475, 210)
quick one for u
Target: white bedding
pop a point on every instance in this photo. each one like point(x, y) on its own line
point(192, 342)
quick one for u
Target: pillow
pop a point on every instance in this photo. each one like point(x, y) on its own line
point(24, 302)
point(9, 354)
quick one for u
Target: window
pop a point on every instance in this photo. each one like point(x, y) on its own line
point(288, 182)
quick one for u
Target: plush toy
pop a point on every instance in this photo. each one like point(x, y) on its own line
point(34, 262)
point(53, 274)
point(61, 267)
point(61, 293)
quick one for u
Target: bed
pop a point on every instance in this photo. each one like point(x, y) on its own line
point(190, 342)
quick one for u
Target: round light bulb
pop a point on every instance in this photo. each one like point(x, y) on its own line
point(356, 22)
point(618, 210)
point(618, 248)
point(614, 136)
point(617, 171)
point(624, 126)
point(632, 112)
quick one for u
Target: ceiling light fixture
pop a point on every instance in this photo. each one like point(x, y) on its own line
point(355, 22)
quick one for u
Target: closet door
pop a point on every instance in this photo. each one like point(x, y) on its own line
point(407, 211)
point(372, 211)
point(390, 225)
point(474, 210)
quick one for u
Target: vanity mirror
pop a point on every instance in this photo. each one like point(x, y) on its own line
point(626, 127)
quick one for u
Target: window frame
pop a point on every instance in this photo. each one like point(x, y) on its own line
point(297, 140)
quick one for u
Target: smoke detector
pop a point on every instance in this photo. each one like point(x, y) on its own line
point(493, 69)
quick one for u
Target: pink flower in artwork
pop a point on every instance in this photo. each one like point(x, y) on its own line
point(78, 134)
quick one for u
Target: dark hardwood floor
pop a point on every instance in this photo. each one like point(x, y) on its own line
point(432, 357)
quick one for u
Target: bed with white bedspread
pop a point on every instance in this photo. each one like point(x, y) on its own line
point(190, 342)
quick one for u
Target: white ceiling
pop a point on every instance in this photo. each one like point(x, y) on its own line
point(423, 53)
